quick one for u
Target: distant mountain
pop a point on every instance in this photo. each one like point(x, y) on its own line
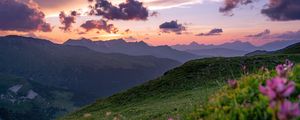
point(292, 49)
point(192, 46)
point(218, 52)
point(276, 45)
point(86, 73)
point(133, 48)
point(257, 52)
point(237, 45)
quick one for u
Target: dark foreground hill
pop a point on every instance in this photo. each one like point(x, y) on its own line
point(178, 91)
point(87, 74)
point(21, 99)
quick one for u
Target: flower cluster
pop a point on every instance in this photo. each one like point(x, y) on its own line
point(283, 69)
point(288, 110)
point(278, 90)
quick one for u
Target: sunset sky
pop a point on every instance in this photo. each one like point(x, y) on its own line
point(162, 22)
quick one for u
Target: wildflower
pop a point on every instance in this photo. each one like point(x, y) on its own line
point(288, 110)
point(289, 64)
point(283, 69)
point(232, 83)
point(277, 88)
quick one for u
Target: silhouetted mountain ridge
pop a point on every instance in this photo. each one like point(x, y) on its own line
point(230, 49)
point(133, 48)
point(86, 73)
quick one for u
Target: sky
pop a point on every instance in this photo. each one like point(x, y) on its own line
point(157, 22)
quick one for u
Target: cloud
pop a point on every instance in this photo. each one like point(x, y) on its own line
point(261, 34)
point(129, 10)
point(172, 27)
point(288, 35)
point(99, 25)
point(127, 31)
point(277, 10)
point(283, 10)
point(163, 4)
point(67, 20)
point(213, 32)
point(21, 16)
point(229, 5)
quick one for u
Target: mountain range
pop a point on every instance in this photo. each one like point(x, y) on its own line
point(133, 48)
point(236, 48)
point(85, 74)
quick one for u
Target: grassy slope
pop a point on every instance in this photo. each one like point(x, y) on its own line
point(178, 92)
point(244, 102)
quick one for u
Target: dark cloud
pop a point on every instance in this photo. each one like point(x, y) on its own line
point(155, 14)
point(213, 32)
point(283, 10)
point(19, 16)
point(99, 25)
point(261, 34)
point(130, 10)
point(172, 27)
point(67, 20)
point(127, 31)
point(277, 10)
point(290, 35)
point(229, 5)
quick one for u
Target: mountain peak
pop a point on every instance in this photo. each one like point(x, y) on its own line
point(82, 39)
point(22, 39)
point(194, 43)
point(142, 43)
point(118, 41)
point(239, 42)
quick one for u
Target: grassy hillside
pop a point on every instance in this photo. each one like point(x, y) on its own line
point(179, 92)
point(292, 49)
point(246, 101)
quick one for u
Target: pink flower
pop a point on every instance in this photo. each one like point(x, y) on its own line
point(289, 64)
point(283, 69)
point(277, 88)
point(288, 110)
point(232, 83)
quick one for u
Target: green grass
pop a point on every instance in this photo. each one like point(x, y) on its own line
point(244, 102)
point(177, 93)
